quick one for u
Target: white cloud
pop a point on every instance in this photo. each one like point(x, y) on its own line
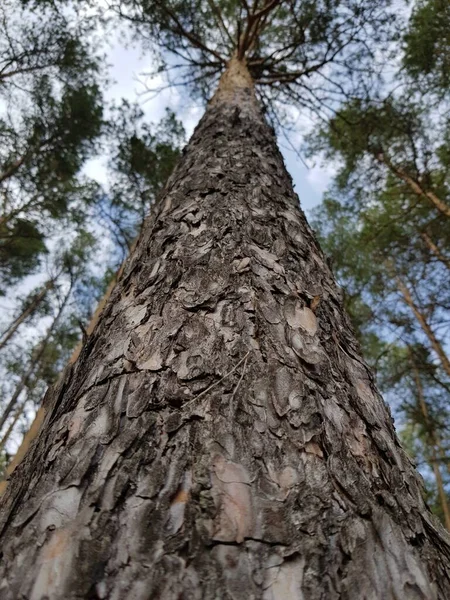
point(320, 177)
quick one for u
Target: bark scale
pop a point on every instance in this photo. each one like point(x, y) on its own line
point(219, 435)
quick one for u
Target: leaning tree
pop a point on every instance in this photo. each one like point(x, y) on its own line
point(220, 435)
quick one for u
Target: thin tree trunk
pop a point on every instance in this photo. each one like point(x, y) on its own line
point(433, 444)
point(28, 311)
point(436, 344)
point(33, 364)
point(219, 436)
point(23, 382)
point(15, 166)
point(30, 435)
point(414, 185)
point(435, 250)
point(19, 411)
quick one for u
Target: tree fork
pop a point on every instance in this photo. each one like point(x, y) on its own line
point(219, 435)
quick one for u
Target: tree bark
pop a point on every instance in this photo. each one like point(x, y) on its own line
point(219, 435)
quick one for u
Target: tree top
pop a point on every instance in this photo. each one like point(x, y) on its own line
point(302, 51)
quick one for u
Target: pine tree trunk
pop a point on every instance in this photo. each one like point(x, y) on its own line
point(433, 443)
point(424, 322)
point(219, 436)
point(16, 416)
point(33, 364)
point(27, 312)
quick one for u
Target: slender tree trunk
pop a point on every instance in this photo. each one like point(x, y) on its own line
point(435, 250)
point(435, 342)
point(415, 185)
point(219, 436)
point(33, 364)
point(433, 446)
point(17, 164)
point(18, 413)
point(22, 383)
point(443, 498)
point(30, 435)
point(28, 311)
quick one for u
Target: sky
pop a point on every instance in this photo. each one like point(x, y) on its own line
point(127, 69)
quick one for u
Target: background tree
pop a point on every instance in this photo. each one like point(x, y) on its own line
point(50, 119)
point(303, 54)
point(141, 158)
point(427, 51)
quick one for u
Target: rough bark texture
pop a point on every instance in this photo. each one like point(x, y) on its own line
point(219, 436)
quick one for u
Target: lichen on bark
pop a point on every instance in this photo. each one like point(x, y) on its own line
point(219, 435)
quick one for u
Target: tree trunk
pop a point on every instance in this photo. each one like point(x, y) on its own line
point(435, 250)
point(435, 342)
point(27, 312)
point(33, 363)
point(17, 414)
point(433, 445)
point(219, 436)
point(414, 185)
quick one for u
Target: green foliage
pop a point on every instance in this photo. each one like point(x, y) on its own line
point(51, 116)
point(374, 141)
point(41, 38)
point(21, 245)
point(142, 156)
point(63, 130)
point(302, 51)
point(427, 44)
